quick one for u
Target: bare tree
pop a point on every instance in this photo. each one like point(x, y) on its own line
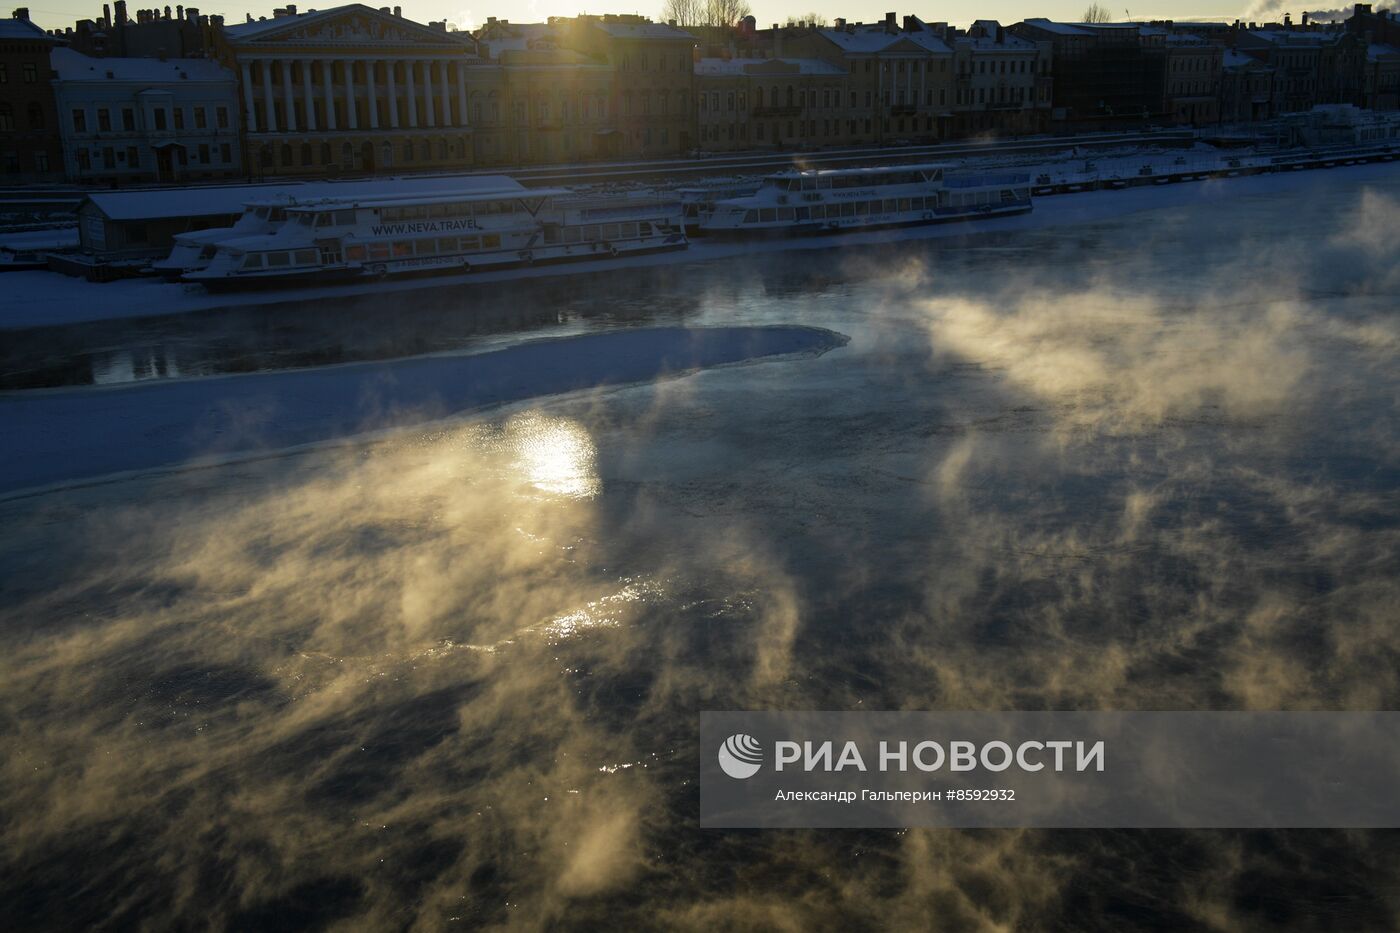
point(684, 12)
point(811, 19)
point(725, 12)
point(1097, 13)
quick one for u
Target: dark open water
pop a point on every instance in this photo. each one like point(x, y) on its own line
point(451, 678)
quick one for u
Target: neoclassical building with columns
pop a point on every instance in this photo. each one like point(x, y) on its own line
point(352, 90)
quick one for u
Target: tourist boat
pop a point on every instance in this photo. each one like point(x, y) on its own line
point(863, 198)
point(698, 203)
point(196, 249)
point(335, 240)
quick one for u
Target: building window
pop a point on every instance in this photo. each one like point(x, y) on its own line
point(221, 117)
point(4, 73)
point(36, 116)
point(201, 118)
point(41, 161)
point(84, 163)
point(226, 153)
point(179, 118)
point(203, 153)
point(133, 158)
point(160, 119)
point(80, 121)
point(31, 73)
point(305, 154)
point(104, 120)
point(128, 119)
point(7, 119)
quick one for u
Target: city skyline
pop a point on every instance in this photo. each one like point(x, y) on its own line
point(60, 15)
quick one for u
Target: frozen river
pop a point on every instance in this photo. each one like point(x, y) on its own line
point(450, 674)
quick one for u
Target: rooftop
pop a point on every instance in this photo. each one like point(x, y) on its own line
point(742, 66)
point(75, 66)
point(230, 199)
point(24, 29)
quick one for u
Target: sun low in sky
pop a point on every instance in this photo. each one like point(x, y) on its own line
point(957, 12)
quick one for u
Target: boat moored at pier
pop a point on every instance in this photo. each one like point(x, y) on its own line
point(843, 200)
point(195, 250)
point(373, 238)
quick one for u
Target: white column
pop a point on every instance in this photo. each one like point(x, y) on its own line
point(328, 76)
point(373, 95)
point(354, 118)
point(461, 96)
point(428, 115)
point(267, 96)
point(250, 114)
point(287, 98)
point(412, 94)
point(389, 67)
point(308, 95)
point(446, 94)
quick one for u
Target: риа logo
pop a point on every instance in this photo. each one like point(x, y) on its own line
point(740, 756)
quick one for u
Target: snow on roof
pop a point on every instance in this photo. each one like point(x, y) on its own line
point(1289, 37)
point(230, 199)
point(1235, 59)
point(642, 30)
point(742, 66)
point(873, 38)
point(259, 27)
point(23, 29)
point(1064, 29)
point(1376, 51)
point(75, 66)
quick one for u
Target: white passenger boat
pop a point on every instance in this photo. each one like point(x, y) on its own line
point(699, 202)
point(194, 250)
point(376, 237)
point(863, 198)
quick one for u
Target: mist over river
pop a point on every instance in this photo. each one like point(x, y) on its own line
point(450, 675)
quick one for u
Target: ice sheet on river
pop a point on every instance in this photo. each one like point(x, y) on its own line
point(69, 435)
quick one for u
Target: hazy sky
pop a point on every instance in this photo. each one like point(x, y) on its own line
point(959, 12)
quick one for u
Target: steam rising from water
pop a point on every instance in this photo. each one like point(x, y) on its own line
point(453, 677)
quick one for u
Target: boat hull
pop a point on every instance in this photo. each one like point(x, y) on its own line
point(818, 228)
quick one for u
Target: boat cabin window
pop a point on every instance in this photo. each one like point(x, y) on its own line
point(323, 220)
point(345, 217)
point(277, 215)
point(306, 220)
point(278, 260)
point(253, 261)
point(261, 213)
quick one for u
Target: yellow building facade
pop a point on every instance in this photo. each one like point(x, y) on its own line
point(351, 90)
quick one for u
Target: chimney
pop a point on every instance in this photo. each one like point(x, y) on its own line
point(398, 11)
point(889, 23)
point(120, 8)
point(1001, 34)
point(1305, 19)
point(106, 17)
point(840, 22)
point(910, 23)
point(22, 14)
point(291, 9)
